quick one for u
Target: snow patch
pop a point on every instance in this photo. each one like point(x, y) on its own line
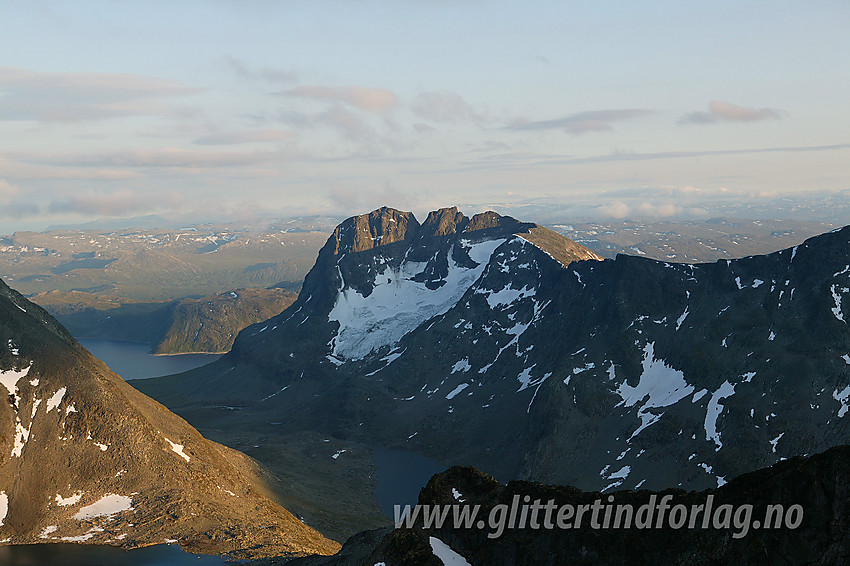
point(397, 305)
point(178, 449)
point(53, 402)
point(842, 397)
point(714, 410)
point(446, 555)
point(108, 505)
point(775, 441)
point(84, 537)
point(22, 435)
point(4, 506)
point(682, 318)
point(457, 495)
point(67, 501)
point(456, 390)
point(49, 530)
point(463, 365)
point(9, 379)
point(836, 310)
point(659, 384)
point(507, 295)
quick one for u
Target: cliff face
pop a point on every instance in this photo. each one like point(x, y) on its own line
point(84, 457)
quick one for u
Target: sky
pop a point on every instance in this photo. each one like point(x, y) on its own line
point(603, 110)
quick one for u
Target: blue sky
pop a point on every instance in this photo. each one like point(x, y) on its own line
point(601, 110)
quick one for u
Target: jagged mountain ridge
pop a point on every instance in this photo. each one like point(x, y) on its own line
point(84, 457)
point(622, 373)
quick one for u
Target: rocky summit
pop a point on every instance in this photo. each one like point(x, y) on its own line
point(498, 343)
point(84, 457)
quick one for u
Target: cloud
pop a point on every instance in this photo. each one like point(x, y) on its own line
point(361, 97)
point(67, 97)
point(582, 122)
point(245, 136)
point(13, 169)
point(243, 71)
point(645, 209)
point(169, 157)
point(616, 209)
point(117, 203)
point(720, 111)
point(102, 203)
point(19, 209)
point(7, 190)
point(445, 107)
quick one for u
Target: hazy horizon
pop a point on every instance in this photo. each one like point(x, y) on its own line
point(224, 109)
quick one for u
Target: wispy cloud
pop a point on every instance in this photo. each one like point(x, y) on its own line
point(721, 111)
point(242, 137)
point(446, 107)
point(7, 191)
point(115, 203)
point(582, 122)
point(169, 157)
point(67, 97)
point(361, 97)
point(245, 72)
point(20, 170)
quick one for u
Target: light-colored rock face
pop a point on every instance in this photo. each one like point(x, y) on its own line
point(84, 457)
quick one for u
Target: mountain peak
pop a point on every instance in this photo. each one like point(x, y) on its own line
point(444, 221)
point(378, 228)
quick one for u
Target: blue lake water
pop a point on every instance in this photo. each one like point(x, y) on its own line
point(68, 554)
point(132, 360)
point(400, 477)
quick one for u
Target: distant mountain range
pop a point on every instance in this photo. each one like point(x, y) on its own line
point(690, 241)
point(84, 457)
point(160, 264)
point(500, 344)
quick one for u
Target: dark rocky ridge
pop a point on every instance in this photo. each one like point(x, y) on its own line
point(73, 434)
point(818, 483)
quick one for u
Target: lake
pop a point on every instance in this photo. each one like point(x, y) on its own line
point(69, 554)
point(132, 360)
point(400, 476)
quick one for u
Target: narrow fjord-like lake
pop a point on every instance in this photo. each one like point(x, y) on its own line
point(132, 360)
